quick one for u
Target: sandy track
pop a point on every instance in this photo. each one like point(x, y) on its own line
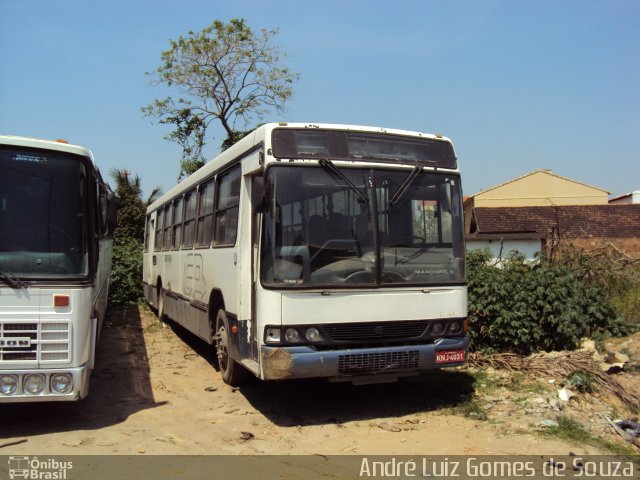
point(156, 391)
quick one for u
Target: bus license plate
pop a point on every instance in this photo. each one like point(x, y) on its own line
point(447, 356)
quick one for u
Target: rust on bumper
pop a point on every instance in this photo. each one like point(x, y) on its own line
point(277, 364)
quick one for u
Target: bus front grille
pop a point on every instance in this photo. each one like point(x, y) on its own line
point(33, 341)
point(351, 332)
point(363, 363)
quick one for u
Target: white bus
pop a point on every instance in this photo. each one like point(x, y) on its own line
point(55, 258)
point(330, 251)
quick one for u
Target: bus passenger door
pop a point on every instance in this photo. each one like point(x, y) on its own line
point(246, 259)
point(150, 240)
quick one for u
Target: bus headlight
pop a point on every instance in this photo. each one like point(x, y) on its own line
point(61, 383)
point(437, 328)
point(272, 335)
point(34, 384)
point(312, 334)
point(8, 384)
point(454, 327)
point(291, 335)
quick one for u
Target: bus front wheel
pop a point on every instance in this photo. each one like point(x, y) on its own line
point(162, 316)
point(232, 373)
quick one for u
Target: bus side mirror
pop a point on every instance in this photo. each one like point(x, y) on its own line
point(446, 200)
point(111, 212)
point(103, 214)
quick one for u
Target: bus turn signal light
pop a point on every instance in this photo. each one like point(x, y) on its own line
point(61, 300)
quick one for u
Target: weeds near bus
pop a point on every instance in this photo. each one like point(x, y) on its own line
point(523, 307)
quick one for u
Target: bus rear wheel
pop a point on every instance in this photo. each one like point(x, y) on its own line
point(232, 373)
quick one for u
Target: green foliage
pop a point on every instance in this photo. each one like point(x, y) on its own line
point(126, 272)
point(126, 269)
point(189, 133)
point(226, 72)
point(189, 166)
point(523, 307)
point(234, 137)
point(582, 380)
point(131, 208)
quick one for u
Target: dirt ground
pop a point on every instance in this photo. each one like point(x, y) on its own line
point(155, 391)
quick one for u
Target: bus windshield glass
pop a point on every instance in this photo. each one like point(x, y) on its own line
point(361, 227)
point(43, 214)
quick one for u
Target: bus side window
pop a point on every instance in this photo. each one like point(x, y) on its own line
point(147, 233)
point(227, 208)
point(177, 223)
point(204, 230)
point(159, 230)
point(168, 214)
point(189, 219)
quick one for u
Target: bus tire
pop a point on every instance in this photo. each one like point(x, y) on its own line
point(162, 316)
point(232, 372)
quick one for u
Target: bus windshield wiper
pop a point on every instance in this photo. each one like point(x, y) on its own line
point(12, 280)
point(330, 167)
point(415, 254)
point(405, 185)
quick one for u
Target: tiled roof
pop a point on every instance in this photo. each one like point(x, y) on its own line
point(582, 221)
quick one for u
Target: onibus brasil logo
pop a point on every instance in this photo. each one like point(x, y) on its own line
point(33, 468)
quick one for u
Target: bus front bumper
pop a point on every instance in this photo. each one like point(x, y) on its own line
point(280, 363)
point(78, 389)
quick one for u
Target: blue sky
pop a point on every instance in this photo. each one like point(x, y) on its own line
point(517, 85)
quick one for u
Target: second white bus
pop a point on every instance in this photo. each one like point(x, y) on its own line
point(317, 251)
point(56, 219)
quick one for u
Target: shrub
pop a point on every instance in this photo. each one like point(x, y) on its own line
point(523, 307)
point(126, 269)
point(126, 273)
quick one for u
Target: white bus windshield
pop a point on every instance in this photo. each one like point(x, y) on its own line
point(361, 227)
point(43, 214)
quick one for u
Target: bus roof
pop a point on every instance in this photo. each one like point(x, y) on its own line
point(256, 137)
point(59, 146)
point(357, 128)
